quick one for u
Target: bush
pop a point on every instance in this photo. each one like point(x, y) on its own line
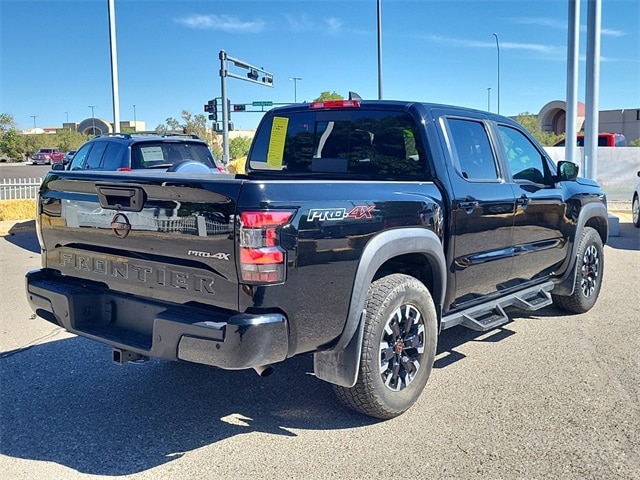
point(17, 209)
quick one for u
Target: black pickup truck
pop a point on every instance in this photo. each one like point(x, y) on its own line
point(360, 231)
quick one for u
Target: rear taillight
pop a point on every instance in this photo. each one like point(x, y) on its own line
point(124, 169)
point(262, 258)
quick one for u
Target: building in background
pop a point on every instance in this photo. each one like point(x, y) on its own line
point(626, 121)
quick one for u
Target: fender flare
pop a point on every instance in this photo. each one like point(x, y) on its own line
point(565, 284)
point(340, 364)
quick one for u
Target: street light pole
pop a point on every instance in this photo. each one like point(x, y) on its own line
point(498, 48)
point(135, 123)
point(379, 50)
point(93, 121)
point(488, 99)
point(295, 88)
point(34, 123)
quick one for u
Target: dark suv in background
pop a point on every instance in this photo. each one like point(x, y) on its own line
point(145, 150)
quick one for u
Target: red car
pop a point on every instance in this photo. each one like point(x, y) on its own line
point(604, 140)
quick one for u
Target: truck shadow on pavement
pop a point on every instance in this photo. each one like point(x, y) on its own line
point(64, 402)
point(23, 235)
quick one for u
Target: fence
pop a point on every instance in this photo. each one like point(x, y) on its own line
point(19, 188)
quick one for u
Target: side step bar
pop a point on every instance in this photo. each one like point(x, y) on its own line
point(490, 315)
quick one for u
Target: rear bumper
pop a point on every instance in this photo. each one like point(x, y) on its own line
point(193, 333)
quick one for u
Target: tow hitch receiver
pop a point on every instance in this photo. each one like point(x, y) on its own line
point(121, 357)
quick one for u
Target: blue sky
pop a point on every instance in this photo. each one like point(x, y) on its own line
point(54, 55)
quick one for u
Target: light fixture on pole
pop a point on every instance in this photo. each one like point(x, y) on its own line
point(295, 88)
point(488, 99)
point(498, 48)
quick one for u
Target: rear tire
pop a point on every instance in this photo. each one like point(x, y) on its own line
point(399, 346)
point(635, 211)
point(589, 271)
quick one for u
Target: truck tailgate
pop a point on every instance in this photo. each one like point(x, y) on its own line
point(144, 235)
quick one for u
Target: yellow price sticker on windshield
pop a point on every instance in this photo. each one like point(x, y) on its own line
point(276, 141)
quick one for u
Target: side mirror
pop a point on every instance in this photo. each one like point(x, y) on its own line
point(57, 166)
point(567, 171)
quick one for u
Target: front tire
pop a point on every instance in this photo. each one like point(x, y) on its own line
point(588, 281)
point(399, 346)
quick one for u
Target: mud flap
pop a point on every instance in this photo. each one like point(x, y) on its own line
point(340, 367)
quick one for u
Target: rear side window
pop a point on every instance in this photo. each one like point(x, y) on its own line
point(368, 143)
point(112, 160)
point(95, 156)
point(471, 150)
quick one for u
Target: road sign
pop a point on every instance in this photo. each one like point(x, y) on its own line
point(262, 104)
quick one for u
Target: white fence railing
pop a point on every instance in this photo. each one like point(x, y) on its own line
point(19, 188)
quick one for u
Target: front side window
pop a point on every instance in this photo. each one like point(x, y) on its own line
point(79, 159)
point(525, 161)
point(368, 143)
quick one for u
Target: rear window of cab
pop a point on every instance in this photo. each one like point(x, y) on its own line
point(354, 142)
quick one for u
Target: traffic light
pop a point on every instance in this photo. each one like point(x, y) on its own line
point(253, 74)
point(212, 108)
point(239, 107)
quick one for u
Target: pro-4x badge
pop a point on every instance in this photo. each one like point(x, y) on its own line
point(217, 256)
point(358, 213)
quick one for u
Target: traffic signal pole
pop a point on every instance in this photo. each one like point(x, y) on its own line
point(225, 110)
point(252, 76)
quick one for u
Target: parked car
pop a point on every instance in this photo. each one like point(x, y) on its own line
point(67, 158)
point(145, 150)
point(604, 140)
point(635, 205)
point(47, 156)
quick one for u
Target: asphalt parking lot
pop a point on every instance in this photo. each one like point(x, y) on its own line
point(546, 396)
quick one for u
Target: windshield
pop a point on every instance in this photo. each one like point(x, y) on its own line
point(348, 141)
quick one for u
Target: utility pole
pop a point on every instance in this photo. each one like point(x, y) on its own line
point(93, 120)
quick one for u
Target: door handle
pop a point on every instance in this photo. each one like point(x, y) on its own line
point(523, 201)
point(130, 199)
point(468, 204)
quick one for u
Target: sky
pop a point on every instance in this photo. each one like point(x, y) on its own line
point(55, 55)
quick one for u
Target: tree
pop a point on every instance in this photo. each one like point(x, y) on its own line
point(532, 123)
point(324, 96)
point(66, 139)
point(191, 124)
point(239, 147)
point(6, 123)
